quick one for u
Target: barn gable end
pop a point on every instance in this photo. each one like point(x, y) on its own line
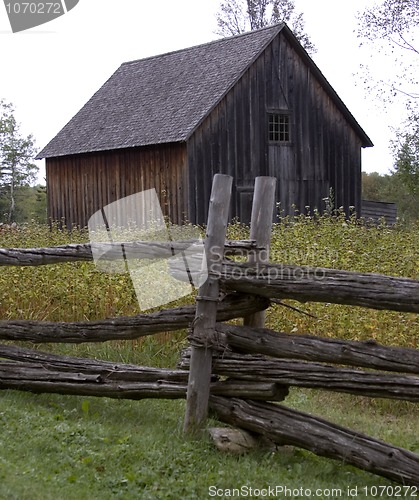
point(322, 157)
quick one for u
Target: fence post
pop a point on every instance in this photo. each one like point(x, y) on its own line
point(260, 231)
point(206, 308)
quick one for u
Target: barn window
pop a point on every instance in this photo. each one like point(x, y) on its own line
point(279, 127)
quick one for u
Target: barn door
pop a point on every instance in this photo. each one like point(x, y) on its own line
point(282, 166)
point(245, 200)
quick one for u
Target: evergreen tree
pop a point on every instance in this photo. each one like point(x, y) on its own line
point(16, 159)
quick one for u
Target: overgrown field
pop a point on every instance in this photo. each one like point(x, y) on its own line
point(56, 447)
point(78, 291)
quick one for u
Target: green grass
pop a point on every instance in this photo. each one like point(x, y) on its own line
point(59, 447)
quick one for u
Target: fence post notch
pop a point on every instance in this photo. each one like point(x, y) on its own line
point(206, 307)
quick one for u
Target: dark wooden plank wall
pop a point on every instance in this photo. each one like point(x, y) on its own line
point(375, 211)
point(80, 185)
point(231, 140)
point(325, 151)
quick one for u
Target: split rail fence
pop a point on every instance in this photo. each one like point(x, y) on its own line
point(239, 372)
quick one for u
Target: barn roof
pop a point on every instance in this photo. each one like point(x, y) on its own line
point(163, 99)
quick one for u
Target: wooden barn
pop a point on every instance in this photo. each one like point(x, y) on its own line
point(250, 105)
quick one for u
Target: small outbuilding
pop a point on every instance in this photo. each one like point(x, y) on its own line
point(254, 104)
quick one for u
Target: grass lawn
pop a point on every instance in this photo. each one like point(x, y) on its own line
point(62, 447)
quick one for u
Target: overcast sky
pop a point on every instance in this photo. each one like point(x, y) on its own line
point(49, 72)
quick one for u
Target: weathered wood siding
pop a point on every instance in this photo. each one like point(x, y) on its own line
point(324, 153)
point(79, 185)
point(377, 210)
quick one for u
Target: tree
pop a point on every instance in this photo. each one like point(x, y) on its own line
point(406, 153)
point(392, 28)
point(374, 186)
point(239, 16)
point(391, 188)
point(16, 158)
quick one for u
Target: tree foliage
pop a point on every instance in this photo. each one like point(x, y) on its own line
point(391, 188)
point(392, 28)
point(239, 16)
point(406, 152)
point(16, 159)
point(31, 205)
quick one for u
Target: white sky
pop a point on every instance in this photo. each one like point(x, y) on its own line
point(50, 72)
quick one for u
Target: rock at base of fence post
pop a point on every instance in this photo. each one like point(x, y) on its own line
point(206, 308)
point(239, 441)
point(260, 231)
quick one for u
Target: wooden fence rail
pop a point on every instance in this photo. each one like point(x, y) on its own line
point(37, 371)
point(313, 375)
point(318, 284)
point(286, 426)
point(77, 252)
point(125, 328)
point(275, 281)
point(368, 354)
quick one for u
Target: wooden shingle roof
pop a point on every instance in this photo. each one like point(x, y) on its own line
point(159, 99)
point(163, 99)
